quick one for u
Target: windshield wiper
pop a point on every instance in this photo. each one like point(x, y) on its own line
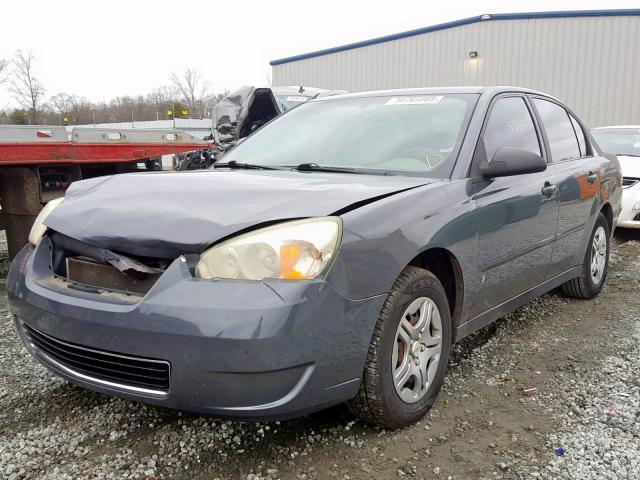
point(627, 155)
point(314, 167)
point(246, 166)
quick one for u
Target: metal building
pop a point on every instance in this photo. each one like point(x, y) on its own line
point(588, 59)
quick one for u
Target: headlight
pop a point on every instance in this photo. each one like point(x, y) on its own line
point(294, 250)
point(38, 228)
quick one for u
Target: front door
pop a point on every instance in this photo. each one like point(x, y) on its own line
point(516, 215)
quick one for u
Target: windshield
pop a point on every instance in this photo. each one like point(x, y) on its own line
point(619, 141)
point(419, 133)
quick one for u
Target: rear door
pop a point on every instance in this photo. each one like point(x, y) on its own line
point(516, 215)
point(578, 174)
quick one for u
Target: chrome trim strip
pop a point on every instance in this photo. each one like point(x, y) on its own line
point(48, 360)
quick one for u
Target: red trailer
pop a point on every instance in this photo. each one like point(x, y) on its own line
point(38, 163)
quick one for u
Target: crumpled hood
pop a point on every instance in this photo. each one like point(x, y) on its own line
point(630, 166)
point(163, 215)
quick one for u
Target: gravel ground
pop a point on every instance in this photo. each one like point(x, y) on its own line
point(582, 421)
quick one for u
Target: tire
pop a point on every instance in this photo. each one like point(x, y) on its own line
point(379, 401)
point(587, 286)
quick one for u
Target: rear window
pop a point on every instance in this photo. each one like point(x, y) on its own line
point(560, 133)
point(582, 142)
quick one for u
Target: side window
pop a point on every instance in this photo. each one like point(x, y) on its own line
point(580, 134)
point(562, 138)
point(510, 125)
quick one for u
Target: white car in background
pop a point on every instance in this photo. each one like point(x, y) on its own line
point(624, 142)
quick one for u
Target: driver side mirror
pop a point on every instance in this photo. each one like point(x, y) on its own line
point(512, 161)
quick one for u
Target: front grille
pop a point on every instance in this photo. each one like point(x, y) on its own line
point(114, 369)
point(89, 272)
point(629, 181)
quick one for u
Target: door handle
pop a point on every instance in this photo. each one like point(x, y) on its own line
point(592, 177)
point(548, 189)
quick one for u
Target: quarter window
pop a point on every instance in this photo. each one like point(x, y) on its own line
point(562, 138)
point(510, 125)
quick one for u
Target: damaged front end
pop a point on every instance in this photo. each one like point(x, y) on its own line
point(197, 345)
point(99, 270)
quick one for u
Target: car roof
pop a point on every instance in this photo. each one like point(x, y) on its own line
point(618, 127)
point(293, 90)
point(489, 90)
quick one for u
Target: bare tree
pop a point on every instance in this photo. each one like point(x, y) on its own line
point(3, 71)
point(193, 88)
point(26, 88)
point(162, 103)
point(163, 96)
point(62, 103)
point(162, 100)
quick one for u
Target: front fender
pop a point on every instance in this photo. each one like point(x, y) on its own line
point(381, 239)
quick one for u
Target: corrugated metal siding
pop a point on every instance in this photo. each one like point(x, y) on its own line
point(592, 64)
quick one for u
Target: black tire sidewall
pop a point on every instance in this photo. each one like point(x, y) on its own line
point(403, 414)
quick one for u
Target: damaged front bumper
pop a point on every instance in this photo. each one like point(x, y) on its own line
point(255, 350)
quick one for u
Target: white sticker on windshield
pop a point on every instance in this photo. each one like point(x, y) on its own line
point(415, 100)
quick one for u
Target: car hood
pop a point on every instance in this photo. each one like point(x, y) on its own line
point(163, 215)
point(630, 166)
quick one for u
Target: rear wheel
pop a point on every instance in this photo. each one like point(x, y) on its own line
point(409, 351)
point(594, 265)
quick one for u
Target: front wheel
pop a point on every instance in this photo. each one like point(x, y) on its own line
point(408, 354)
point(595, 264)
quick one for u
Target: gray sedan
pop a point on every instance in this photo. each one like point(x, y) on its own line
point(334, 256)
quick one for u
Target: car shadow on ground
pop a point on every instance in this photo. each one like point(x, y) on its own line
point(624, 235)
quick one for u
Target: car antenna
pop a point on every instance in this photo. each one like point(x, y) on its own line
point(301, 90)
